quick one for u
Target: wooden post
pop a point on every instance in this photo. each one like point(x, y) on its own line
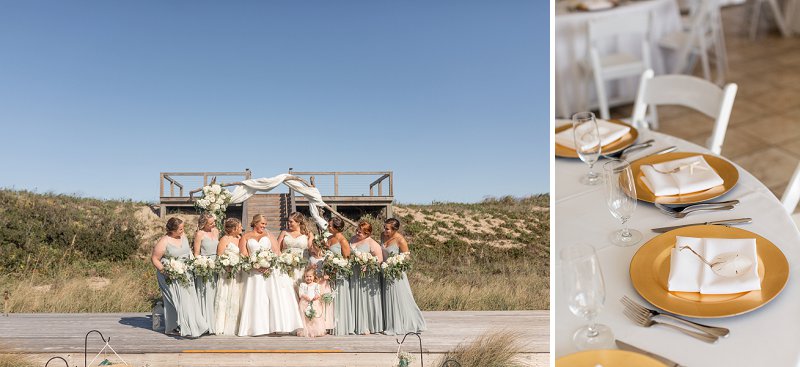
point(205, 179)
point(380, 188)
point(171, 188)
point(161, 183)
point(391, 184)
point(370, 191)
point(336, 184)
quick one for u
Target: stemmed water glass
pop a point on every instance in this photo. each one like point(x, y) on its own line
point(586, 293)
point(620, 193)
point(587, 143)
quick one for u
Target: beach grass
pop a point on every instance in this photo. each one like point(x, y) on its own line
point(493, 349)
point(492, 255)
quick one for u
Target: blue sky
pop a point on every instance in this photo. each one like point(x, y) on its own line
point(98, 97)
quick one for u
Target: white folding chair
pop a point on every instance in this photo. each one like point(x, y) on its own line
point(620, 64)
point(687, 91)
point(755, 16)
point(704, 34)
point(791, 196)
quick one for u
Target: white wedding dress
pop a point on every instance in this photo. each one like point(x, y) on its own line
point(284, 312)
point(298, 246)
point(255, 315)
point(229, 293)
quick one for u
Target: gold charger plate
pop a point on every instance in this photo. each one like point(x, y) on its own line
point(726, 170)
point(611, 148)
point(650, 272)
point(607, 358)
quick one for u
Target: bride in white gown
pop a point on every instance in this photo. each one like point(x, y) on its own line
point(229, 289)
point(297, 239)
point(268, 304)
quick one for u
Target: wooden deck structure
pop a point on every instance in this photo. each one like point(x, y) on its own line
point(47, 335)
point(346, 192)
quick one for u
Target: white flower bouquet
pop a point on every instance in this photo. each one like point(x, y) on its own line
point(263, 259)
point(289, 261)
point(231, 262)
point(177, 270)
point(366, 262)
point(327, 298)
point(204, 267)
point(396, 265)
point(310, 312)
point(335, 266)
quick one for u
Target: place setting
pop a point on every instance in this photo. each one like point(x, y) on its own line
point(703, 269)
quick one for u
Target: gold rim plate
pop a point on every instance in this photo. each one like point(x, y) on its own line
point(611, 148)
point(607, 358)
point(726, 170)
point(650, 273)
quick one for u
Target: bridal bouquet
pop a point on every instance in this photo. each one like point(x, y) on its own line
point(215, 200)
point(176, 270)
point(327, 298)
point(263, 259)
point(367, 262)
point(288, 261)
point(231, 261)
point(335, 266)
point(396, 265)
point(204, 267)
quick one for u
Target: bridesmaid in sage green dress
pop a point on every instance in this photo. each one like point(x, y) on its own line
point(206, 240)
point(365, 290)
point(181, 308)
point(342, 308)
point(401, 314)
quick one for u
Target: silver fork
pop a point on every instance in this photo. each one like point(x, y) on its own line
point(723, 205)
point(713, 330)
point(647, 321)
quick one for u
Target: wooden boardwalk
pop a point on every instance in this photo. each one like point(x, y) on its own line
point(60, 334)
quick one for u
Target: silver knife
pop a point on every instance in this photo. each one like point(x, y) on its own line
point(631, 348)
point(716, 222)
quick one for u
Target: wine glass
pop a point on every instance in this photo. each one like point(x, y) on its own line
point(620, 196)
point(586, 293)
point(587, 144)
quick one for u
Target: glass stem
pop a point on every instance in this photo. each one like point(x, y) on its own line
point(592, 329)
point(625, 232)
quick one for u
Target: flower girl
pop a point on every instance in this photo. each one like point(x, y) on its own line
point(310, 307)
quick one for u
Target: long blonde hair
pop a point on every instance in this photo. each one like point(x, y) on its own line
point(301, 222)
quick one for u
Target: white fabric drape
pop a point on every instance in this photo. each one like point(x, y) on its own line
point(249, 187)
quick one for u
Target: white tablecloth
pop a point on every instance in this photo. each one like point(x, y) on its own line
point(574, 85)
point(769, 336)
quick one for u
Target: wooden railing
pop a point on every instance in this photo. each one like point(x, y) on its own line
point(171, 178)
point(384, 175)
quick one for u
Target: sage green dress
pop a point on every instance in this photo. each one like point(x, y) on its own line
point(181, 306)
point(401, 314)
point(365, 293)
point(207, 291)
point(342, 308)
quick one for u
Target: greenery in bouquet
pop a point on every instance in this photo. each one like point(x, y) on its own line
point(215, 200)
point(231, 262)
point(204, 267)
point(396, 265)
point(289, 261)
point(263, 259)
point(310, 312)
point(366, 262)
point(403, 359)
point(177, 270)
point(335, 266)
point(327, 298)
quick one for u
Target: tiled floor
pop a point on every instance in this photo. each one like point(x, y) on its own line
point(764, 132)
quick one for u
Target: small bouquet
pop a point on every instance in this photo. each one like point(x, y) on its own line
point(263, 259)
point(335, 266)
point(396, 265)
point(231, 261)
point(403, 359)
point(204, 267)
point(367, 262)
point(327, 298)
point(310, 312)
point(177, 270)
point(288, 261)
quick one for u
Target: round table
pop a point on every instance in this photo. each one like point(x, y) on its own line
point(768, 336)
point(574, 84)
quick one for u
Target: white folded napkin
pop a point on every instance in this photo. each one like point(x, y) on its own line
point(609, 132)
point(592, 5)
point(695, 175)
point(687, 273)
